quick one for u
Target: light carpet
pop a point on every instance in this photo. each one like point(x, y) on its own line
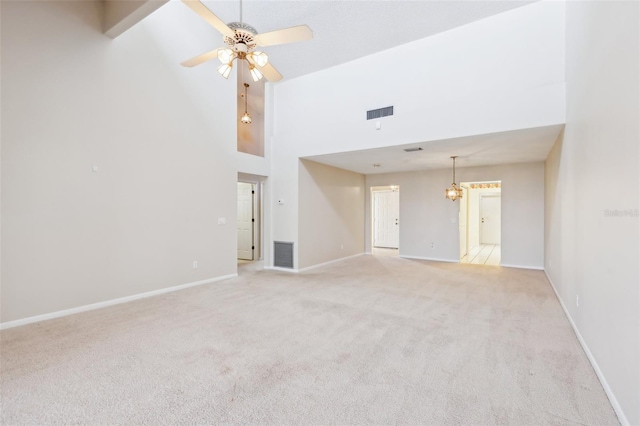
point(369, 340)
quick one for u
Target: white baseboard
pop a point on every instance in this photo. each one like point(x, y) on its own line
point(296, 271)
point(277, 268)
point(433, 259)
point(63, 313)
point(537, 268)
point(607, 389)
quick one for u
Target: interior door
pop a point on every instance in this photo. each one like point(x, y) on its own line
point(386, 210)
point(490, 219)
point(245, 221)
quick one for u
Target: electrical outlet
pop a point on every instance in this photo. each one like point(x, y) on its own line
point(195, 264)
point(433, 245)
point(577, 301)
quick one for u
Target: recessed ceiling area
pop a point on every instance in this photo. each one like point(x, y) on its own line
point(347, 30)
point(516, 146)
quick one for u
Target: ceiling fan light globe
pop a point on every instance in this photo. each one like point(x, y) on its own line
point(226, 55)
point(225, 70)
point(260, 58)
point(255, 73)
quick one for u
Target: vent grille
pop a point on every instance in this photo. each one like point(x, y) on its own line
point(412, 149)
point(283, 254)
point(378, 113)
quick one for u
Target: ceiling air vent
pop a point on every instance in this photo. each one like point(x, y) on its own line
point(413, 149)
point(378, 113)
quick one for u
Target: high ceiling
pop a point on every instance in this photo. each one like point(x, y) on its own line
point(347, 30)
point(517, 146)
point(350, 29)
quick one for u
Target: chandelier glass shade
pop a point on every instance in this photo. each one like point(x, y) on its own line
point(453, 192)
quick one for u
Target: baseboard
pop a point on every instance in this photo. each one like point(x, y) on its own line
point(432, 259)
point(93, 306)
point(329, 262)
point(603, 381)
point(296, 271)
point(277, 268)
point(537, 268)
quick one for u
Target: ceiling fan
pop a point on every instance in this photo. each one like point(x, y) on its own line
point(242, 40)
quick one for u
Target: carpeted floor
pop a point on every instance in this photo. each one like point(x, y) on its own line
point(370, 340)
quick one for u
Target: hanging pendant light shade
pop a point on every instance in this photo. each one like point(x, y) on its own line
point(453, 192)
point(246, 118)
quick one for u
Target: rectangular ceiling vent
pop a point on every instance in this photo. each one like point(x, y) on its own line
point(413, 149)
point(379, 113)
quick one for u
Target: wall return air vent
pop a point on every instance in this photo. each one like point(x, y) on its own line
point(380, 112)
point(283, 254)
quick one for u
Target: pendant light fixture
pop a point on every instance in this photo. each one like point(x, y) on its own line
point(246, 118)
point(453, 193)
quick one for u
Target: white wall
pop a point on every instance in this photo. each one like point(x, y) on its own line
point(162, 136)
point(331, 214)
point(502, 73)
point(427, 217)
point(594, 169)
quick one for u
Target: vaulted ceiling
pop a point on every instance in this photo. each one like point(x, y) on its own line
point(347, 30)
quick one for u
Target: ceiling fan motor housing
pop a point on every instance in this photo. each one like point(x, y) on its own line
point(243, 40)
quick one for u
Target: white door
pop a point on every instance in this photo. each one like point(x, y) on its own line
point(245, 221)
point(386, 209)
point(462, 223)
point(490, 219)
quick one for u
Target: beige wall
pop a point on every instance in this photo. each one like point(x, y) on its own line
point(162, 140)
point(427, 217)
point(593, 171)
point(331, 214)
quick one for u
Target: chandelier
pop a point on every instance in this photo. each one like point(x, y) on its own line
point(453, 193)
point(246, 118)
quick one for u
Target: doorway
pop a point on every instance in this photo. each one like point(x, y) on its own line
point(480, 223)
point(385, 220)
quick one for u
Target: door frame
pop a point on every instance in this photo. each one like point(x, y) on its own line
point(465, 200)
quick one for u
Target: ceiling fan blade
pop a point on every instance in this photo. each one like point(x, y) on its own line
point(286, 35)
point(270, 73)
point(200, 58)
point(210, 17)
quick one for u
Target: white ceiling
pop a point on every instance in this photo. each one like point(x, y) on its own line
point(517, 146)
point(349, 29)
